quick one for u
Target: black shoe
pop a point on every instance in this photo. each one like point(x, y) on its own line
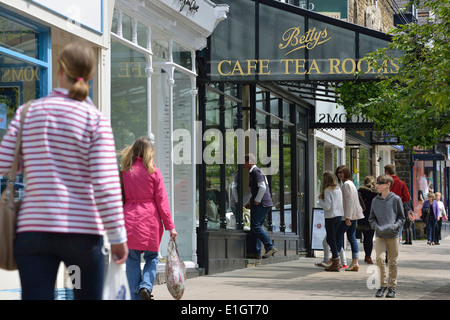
point(145, 294)
point(253, 256)
point(391, 293)
point(380, 292)
point(269, 253)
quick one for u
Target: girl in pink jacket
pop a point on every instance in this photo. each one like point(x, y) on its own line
point(146, 209)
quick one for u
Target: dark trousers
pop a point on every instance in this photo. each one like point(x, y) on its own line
point(258, 216)
point(368, 241)
point(331, 226)
point(39, 254)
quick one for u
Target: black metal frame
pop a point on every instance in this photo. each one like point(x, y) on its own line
point(208, 239)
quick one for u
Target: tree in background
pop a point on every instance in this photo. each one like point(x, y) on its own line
point(413, 104)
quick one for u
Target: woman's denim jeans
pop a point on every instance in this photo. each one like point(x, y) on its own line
point(39, 255)
point(138, 279)
point(258, 216)
point(431, 230)
point(351, 236)
point(331, 226)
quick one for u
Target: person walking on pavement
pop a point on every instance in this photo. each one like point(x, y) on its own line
point(386, 218)
point(330, 199)
point(261, 203)
point(409, 221)
point(146, 207)
point(433, 216)
point(72, 194)
point(368, 192)
point(399, 188)
point(442, 215)
point(352, 213)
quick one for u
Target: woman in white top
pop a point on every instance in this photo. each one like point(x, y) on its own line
point(352, 212)
point(442, 214)
point(331, 201)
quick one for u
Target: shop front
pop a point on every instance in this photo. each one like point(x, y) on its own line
point(258, 93)
point(154, 92)
point(32, 33)
point(430, 174)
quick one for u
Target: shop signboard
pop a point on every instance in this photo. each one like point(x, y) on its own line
point(272, 41)
point(85, 13)
point(318, 229)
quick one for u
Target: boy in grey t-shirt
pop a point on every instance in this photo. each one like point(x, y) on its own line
point(386, 218)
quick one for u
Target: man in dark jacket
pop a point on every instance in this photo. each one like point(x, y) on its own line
point(261, 202)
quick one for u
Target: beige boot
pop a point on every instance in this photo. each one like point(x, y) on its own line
point(335, 266)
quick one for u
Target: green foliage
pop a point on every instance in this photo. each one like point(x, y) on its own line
point(413, 104)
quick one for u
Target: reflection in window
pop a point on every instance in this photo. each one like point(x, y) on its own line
point(212, 170)
point(182, 56)
point(128, 95)
point(19, 38)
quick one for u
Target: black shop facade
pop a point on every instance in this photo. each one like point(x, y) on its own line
point(258, 84)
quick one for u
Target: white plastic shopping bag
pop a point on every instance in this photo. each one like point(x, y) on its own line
point(116, 283)
point(175, 271)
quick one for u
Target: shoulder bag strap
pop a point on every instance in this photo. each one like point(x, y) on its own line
point(18, 149)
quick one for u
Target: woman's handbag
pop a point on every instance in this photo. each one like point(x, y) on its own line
point(175, 271)
point(9, 208)
point(425, 214)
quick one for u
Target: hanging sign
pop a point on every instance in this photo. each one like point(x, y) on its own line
point(291, 47)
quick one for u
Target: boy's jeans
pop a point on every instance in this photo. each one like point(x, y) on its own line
point(391, 245)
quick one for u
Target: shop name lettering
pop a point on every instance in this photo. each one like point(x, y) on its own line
point(301, 67)
point(340, 118)
point(293, 40)
point(19, 74)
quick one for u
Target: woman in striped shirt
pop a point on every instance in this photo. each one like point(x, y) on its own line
point(73, 193)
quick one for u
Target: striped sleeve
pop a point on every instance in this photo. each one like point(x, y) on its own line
point(105, 181)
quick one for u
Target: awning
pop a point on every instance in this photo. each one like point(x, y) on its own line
point(265, 40)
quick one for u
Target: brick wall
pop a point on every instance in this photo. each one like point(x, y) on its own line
point(361, 11)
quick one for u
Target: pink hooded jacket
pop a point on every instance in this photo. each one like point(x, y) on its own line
point(146, 208)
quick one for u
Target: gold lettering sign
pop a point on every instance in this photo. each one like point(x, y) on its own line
point(302, 66)
point(19, 74)
point(294, 40)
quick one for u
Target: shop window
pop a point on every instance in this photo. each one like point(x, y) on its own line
point(160, 49)
point(115, 21)
point(128, 95)
point(142, 35)
point(127, 27)
point(183, 173)
point(19, 38)
point(182, 56)
point(364, 165)
point(320, 168)
point(213, 150)
point(23, 70)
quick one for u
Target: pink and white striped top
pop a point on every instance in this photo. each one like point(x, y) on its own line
point(69, 161)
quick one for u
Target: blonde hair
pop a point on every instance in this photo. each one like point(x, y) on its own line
point(142, 148)
point(369, 182)
point(431, 195)
point(329, 181)
point(78, 61)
